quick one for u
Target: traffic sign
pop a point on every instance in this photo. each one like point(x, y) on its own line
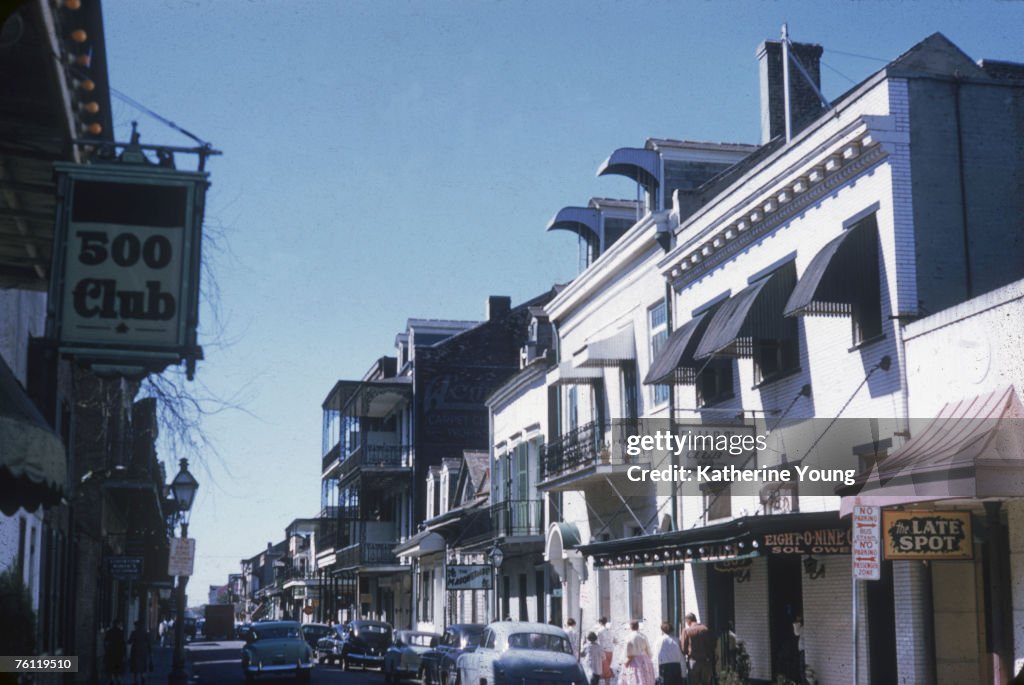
point(182, 557)
point(866, 549)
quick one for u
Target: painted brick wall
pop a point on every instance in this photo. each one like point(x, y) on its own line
point(752, 619)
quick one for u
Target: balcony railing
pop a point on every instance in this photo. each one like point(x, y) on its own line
point(518, 517)
point(376, 457)
point(330, 457)
point(367, 553)
point(591, 444)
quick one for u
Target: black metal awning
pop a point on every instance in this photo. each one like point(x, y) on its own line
point(741, 538)
point(754, 311)
point(678, 351)
point(836, 276)
point(33, 463)
point(639, 164)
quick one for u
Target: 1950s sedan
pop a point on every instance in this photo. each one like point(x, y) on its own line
point(403, 656)
point(276, 648)
point(514, 652)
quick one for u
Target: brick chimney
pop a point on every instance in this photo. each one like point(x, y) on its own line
point(803, 100)
point(498, 306)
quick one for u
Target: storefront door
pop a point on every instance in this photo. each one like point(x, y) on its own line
point(785, 604)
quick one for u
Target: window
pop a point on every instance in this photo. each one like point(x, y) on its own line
point(717, 501)
point(866, 305)
point(657, 318)
point(573, 410)
point(715, 382)
point(776, 344)
point(630, 409)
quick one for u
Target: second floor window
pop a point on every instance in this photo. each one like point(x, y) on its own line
point(657, 319)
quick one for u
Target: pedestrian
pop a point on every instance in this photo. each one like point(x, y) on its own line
point(798, 631)
point(113, 652)
point(607, 642)
point(668, 657)
point(141, 653)
point(593, 660)
point(161, 632)
point(699, 649)
point(574, 637)
point(638, 668)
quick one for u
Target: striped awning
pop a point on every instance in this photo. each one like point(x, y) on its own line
point(678, 351)
point(843, 272)
point(573, 375)
point(970, 450)
point(617, 348)
point(33, 463)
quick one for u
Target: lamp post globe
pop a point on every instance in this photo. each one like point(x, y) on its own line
point(183, 490)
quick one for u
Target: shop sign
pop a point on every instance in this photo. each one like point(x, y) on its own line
point(182, 557)
point(814, 541)
point(867, 552)
point(927, 535)
point(125, 568)
point(127, 258)
point(468, 577)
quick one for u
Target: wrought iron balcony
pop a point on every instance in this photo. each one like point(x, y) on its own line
point(592, 444)
point(517, 518)
point(367, 459)
point(367, 554)
point(329, 458)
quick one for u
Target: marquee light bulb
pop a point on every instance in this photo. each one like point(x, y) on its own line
point(79, 36)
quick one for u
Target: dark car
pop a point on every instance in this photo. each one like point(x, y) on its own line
point(359, 642)
point(438, 665)
point(402, 660)
point(313, 632)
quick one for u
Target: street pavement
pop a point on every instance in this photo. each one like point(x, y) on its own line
point(217, 663)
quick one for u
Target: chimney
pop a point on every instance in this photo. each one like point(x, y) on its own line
point(498, 306)
point(804, 102)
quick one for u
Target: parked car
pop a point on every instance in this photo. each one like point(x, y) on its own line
point(276, 648)
point(402, 658)
point(359, 642)
point(328, 648)
point(241, 630)
point(512, 652)
point(438, 664)
point(313, 632)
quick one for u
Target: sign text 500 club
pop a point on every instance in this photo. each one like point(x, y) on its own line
point(100, 297)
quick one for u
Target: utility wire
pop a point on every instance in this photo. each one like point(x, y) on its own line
point(854, 54)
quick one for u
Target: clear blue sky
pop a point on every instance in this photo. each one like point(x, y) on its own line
point(387, 160)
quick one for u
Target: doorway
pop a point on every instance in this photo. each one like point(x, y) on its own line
point(785, 604)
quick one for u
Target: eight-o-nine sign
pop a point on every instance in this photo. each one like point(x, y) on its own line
point(127, 255)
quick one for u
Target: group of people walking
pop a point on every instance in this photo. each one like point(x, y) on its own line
point(138, 649)
point(669, 661)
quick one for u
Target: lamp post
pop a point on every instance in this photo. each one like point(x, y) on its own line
point(183, 489)
point(496, 556)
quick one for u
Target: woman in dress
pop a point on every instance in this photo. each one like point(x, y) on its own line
point(140, 653)
point(638, 669)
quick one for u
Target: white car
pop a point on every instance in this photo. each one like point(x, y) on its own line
point(514, 652)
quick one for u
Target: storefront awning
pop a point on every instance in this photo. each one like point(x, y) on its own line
point(640, 164)
point(33, 463)
point(742, 538)
point(839, 272)
point(423, 543)
point(611, 351)
point(678, 352)
point(973, 449)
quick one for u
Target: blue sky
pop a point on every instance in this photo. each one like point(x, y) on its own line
point(387, 160)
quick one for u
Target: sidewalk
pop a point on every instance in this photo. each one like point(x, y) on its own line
point(163, 658)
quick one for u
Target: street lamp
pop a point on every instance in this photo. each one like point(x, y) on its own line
point(183, 490)
point(496, 556)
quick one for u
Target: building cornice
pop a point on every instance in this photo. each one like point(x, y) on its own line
point(857, 147)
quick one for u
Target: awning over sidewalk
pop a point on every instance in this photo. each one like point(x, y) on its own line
point(973, 449)
point(33, 463)
point(742, 538)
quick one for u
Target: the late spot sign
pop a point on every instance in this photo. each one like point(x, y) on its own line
point(927, 535)
point(127, 263)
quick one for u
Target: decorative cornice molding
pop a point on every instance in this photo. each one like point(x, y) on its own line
point(772, 208)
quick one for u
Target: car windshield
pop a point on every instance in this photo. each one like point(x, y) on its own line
point(371, 628)
point(274, 632)
point(471, 637)
point(419, 639)
point(539, 641)
point(315, 631)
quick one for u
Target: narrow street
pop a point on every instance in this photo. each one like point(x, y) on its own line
point(219, 663)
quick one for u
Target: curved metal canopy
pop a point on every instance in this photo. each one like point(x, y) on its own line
point(639, 164)
point(677, 351)
point(583, 221)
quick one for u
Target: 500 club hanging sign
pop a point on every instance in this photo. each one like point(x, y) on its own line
point(127, 264)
